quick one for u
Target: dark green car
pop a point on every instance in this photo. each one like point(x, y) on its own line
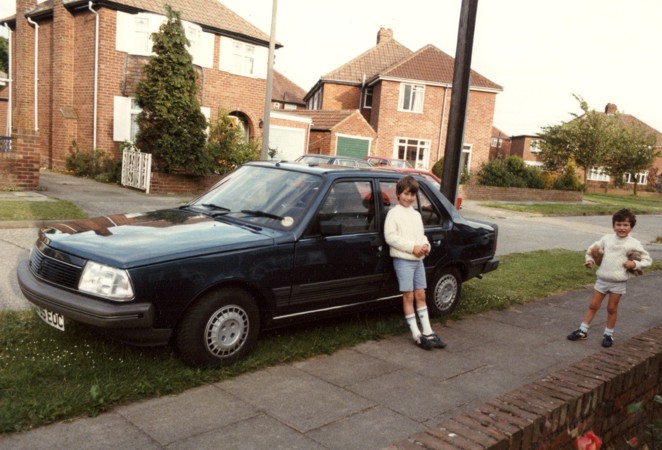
point(269, 245)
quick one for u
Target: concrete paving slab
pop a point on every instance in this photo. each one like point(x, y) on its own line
point(196, 411)
point(372, 429)
point(294, 397)
point(260, 432)
point(106, 431)
point(346, 367)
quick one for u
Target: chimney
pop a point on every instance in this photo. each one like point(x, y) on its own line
point(384, 34)
point(610, 108)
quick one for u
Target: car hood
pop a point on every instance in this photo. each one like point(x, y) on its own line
point(130, 240)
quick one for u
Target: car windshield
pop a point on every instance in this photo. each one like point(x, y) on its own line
point(263, 196)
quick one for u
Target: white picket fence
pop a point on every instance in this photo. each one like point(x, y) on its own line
point(136, 169)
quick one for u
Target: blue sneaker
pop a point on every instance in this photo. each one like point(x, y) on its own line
point(577, 335)
point(607, 340)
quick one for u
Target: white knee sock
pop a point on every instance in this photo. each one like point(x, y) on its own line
point(425, 320)
point(413, 326)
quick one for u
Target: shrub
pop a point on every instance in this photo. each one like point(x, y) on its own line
point(568, 179)
point(93, 164)
point(510, 172)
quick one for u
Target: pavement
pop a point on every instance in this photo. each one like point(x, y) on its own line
point(364, 397)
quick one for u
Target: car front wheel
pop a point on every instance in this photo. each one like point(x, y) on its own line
point(444, 292)
point(219, 329)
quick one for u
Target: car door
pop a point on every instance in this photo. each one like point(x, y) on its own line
point(340, 260)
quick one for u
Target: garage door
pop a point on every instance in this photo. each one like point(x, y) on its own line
point(289, 143)
point(352, 146)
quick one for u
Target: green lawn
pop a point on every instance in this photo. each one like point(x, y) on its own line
point(39, 210)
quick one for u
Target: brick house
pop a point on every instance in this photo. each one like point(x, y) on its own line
point(528, 148)
point(499, 144)
point(286, 95)
point(597, 176)
point(405, 97)
point(339, 132)
point(76, 63)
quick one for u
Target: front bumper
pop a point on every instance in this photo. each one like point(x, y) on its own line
point(129, 322)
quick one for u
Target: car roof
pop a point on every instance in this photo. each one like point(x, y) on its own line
point(336, 170)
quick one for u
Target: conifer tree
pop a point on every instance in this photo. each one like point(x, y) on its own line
point(171, 125)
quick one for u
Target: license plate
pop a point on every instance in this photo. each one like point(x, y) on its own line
point(52, 318)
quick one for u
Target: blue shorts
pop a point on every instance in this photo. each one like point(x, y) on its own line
point(410, 273)
point(615, 287)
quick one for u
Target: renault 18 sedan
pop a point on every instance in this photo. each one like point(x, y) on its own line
point(270, 244)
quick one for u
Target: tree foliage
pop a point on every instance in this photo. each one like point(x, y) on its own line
point(227, 146)
point(587, 139)
point(171, 124)
point(633, 152)
point(595, 139)
point(4, 54)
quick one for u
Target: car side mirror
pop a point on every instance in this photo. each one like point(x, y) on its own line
point(330, 228)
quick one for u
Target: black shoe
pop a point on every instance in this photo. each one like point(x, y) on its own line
point(607, 340)
point(424, 343)
point(435, 341)
point(577, 335)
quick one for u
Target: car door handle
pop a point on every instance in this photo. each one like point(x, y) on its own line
point(436, 243)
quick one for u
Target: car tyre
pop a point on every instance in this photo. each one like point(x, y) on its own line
point(444, 292)
point(219, 329)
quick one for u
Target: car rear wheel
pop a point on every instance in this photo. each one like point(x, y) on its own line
point(444, 292)
point(219, 329)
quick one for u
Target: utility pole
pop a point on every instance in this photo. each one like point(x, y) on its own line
point(450, 175)
point(266, 120)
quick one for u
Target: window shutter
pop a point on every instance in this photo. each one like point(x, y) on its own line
point(121, 119)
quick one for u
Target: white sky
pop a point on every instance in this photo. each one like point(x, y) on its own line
point(541, 52)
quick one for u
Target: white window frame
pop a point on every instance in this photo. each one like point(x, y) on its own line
point(597, 173)
point(421, 147)
point(534, 147)
point(367, 98)
point(243, 58)
point(289, 107)
point(642, 178)
point(412, 97)
point(134, 31)
point(314, 102)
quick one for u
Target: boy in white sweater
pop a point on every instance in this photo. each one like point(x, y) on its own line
point(615, 268)
point(405, 235)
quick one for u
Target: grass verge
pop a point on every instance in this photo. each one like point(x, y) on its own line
point(47, 376)
point(594, 204)
point(39, 210)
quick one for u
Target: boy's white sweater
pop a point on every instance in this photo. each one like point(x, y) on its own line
point(616, 254)
point(403, 230)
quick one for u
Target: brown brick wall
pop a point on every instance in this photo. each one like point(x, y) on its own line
point(163, 183)
point(550, 413)
point(476, 192)
point(19, 169)
point(66, 83)
point(340, 96)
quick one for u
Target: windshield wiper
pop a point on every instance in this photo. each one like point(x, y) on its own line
point(213, 206)
point(261, 214)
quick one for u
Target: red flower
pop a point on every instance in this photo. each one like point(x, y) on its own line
point(588, 441)
point(633, 442)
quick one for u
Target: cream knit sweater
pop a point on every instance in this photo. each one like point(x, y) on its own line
point(615, 255)
point(403, 230)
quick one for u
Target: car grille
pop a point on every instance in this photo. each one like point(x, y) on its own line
point(53, 270)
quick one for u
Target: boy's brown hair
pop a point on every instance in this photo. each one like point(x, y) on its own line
point(624, 215)
point(407, 183)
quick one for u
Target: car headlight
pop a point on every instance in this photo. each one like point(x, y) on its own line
point(106, 281)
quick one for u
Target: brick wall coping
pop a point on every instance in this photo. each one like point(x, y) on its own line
point(550, 413)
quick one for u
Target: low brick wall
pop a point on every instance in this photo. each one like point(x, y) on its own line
point(19, 169)
point(167, 183)
point(591, 395)
point(476, 192)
